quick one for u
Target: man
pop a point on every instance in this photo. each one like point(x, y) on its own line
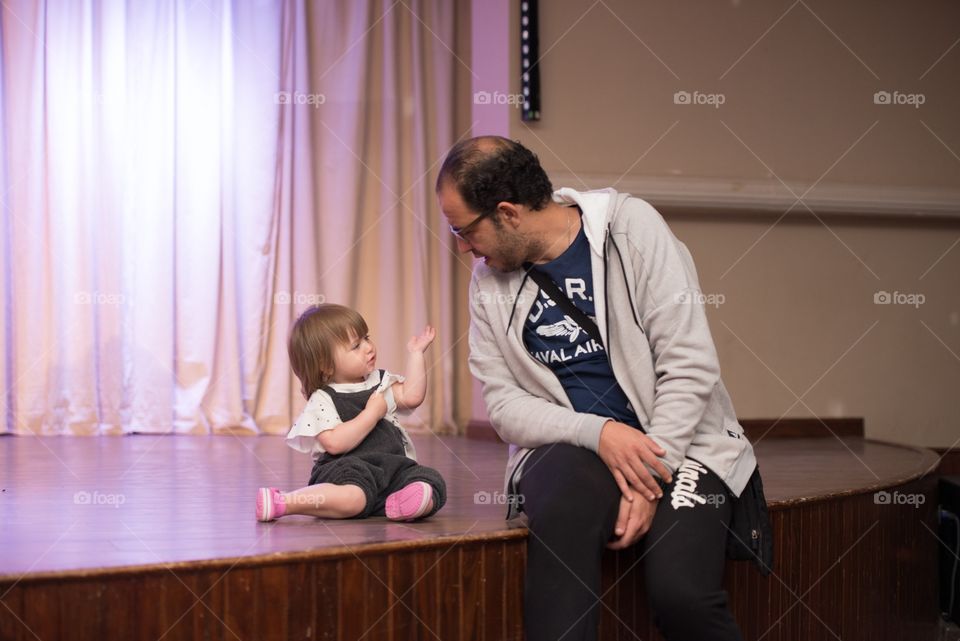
point(619, 425)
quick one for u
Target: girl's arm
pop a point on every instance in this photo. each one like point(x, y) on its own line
point(347, 435)
point(410, 394)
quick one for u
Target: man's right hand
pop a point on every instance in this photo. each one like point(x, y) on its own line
point(625, 449)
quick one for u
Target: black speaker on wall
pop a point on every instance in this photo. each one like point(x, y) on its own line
point(529, 59)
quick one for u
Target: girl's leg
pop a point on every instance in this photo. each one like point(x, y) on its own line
point(364, 478)
point(326, 500)
point(415, 492)
point(412, 502)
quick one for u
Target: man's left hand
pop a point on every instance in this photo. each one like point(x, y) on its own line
point(633, 521)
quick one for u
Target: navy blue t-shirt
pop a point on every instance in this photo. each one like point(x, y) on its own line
point(555, 339)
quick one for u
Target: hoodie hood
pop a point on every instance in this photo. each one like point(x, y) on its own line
point(598, 206)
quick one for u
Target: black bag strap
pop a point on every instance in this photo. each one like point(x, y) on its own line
point(563, 302)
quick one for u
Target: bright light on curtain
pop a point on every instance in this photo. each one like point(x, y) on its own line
point(180, 179)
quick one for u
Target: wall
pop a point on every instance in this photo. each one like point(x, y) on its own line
point(794, 290)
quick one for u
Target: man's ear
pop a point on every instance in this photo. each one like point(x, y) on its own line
point(509, 213)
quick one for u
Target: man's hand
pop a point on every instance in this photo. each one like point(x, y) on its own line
point(633, 522)
point(377, 404)
point(625, 449)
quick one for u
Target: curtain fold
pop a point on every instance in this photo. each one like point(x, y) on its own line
point(180, 180)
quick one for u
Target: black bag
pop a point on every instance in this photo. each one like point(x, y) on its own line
point(750, 537)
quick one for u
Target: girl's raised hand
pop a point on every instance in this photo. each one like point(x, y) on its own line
point(422, 342)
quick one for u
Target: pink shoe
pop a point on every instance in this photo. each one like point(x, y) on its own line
point(410, 503)
point(270, 504)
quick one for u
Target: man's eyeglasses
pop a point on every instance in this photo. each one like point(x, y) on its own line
point(464, 231)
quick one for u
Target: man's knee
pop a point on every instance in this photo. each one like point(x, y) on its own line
point(571, 469)
point(569, 487)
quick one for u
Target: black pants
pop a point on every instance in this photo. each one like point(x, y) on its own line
point(572, 503)
point(379, 475)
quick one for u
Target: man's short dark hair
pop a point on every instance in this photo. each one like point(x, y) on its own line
point(490, 169)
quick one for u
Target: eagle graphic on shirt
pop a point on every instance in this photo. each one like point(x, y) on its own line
point(566, 327)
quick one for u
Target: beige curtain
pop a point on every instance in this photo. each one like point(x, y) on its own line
point(181, 179)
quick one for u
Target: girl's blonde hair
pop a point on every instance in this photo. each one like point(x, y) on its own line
point(314, 339)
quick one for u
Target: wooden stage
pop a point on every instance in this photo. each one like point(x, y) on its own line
point(154, 537)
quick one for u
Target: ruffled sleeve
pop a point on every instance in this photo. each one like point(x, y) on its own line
point(319, 414)
point(386, 388)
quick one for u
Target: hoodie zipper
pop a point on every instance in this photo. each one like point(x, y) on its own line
point(623, 270)
point(606, 311)
point(516, 298)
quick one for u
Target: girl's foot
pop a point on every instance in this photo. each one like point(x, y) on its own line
point(410, 503)
point(270, 504)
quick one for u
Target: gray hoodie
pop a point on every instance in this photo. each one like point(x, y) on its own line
point(651, 315)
